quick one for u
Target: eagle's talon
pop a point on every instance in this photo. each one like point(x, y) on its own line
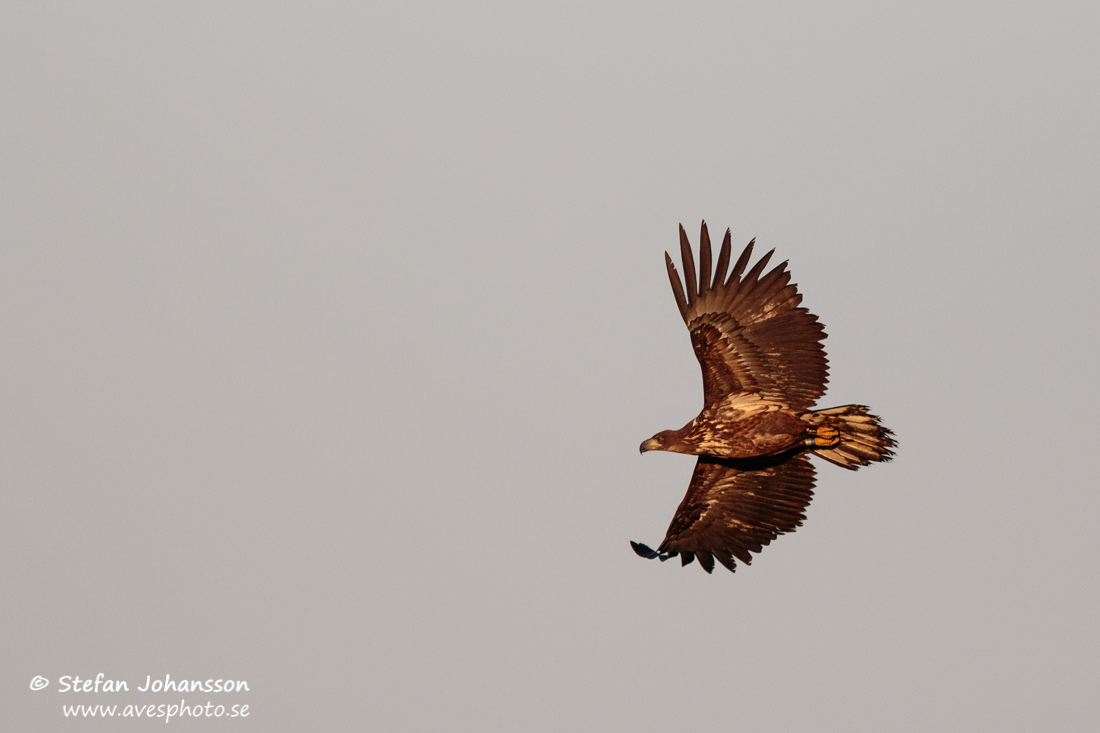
point(825, 437)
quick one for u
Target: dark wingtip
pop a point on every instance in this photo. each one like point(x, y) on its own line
point(644, 550)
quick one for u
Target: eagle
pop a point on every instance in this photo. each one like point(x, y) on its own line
point(763, 369)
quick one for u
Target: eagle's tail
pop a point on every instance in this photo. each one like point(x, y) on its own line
point(862, 438)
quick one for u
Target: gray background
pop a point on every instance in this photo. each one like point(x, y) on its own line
point(330, 335)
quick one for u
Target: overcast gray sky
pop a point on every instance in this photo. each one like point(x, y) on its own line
point(329, 336)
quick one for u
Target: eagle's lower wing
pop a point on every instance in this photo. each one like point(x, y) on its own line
point(747, 329)
point(734, 507)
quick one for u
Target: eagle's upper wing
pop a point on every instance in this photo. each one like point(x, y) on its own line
point(748, 330)
point(734, 507)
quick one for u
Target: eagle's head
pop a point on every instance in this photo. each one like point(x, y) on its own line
point(664, 440)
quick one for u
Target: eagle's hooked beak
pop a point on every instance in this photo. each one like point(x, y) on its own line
point(651, 444)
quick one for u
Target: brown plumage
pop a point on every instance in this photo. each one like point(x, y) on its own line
point(763, 368)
